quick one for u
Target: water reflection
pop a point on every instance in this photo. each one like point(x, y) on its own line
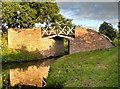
point(29, 73)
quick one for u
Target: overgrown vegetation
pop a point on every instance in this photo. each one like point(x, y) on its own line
point(97, 68)
point(66, 50)
point(9, 55)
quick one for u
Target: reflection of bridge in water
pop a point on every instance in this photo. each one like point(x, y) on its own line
point(65, 32)
point(32, 75)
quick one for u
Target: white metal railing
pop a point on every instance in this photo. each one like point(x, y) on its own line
point(66, 30)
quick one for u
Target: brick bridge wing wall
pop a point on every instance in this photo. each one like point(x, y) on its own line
point(87, 40)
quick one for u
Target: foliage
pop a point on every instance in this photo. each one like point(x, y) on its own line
point(0, 7)
point(5, 78)
point(26, 14)
point(108, 30)
point(10, 55)
point(97, 68)
point(66, 49)
point(12, 18)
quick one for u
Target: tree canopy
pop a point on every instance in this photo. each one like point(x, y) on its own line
point(108, 30)
point(26, 14)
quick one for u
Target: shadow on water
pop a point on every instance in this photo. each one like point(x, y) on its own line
point(26, 75)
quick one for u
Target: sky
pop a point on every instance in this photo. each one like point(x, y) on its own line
point(90, 14)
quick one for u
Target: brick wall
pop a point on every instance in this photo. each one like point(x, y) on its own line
point(87, 40)
point(31, 40)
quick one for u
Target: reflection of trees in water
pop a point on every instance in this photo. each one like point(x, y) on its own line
point(5, 79)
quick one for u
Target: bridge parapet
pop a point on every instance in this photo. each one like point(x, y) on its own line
point(58, 31)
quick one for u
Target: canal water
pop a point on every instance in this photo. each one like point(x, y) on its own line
point(26, 74)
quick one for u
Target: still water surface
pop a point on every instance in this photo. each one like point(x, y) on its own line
point(26, 73)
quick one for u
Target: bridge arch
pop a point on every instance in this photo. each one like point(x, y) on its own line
point(60, 34)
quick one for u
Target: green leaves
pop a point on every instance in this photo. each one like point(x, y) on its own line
point(10, 14)
point(108, 30)
point(32, 12)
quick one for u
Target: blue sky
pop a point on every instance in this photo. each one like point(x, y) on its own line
point(90, 14)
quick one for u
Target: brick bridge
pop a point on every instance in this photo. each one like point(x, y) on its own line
point(49, 41)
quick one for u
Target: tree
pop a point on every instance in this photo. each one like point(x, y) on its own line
point(108, 30)
point(26, 14)
point(11, 17)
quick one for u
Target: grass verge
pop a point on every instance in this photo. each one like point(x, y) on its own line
point(97, 68)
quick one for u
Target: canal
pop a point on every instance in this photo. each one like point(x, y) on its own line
point(25, 74)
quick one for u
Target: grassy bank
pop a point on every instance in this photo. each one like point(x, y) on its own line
point(86, 69)
point(10, 55)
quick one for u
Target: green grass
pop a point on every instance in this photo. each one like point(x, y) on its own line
point(86, 69)
point(11, 55)
point(66, 46)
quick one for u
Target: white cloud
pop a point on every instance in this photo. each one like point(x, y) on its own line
point(101, 11)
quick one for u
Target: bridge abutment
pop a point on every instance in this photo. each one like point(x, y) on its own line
point(31, 40)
